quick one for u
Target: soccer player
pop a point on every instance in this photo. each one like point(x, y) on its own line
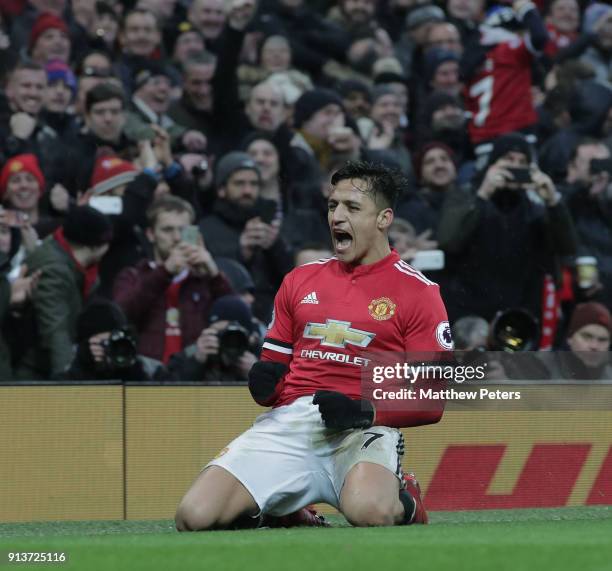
point(498, 71)
point(322, 442)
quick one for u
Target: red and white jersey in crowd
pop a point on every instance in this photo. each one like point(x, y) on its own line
point(329, 315)
point(558, 40)
point(499, 94)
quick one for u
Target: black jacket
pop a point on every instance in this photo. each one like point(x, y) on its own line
point(222, 230)
point(497, 256)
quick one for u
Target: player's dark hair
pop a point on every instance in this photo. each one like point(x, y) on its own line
point(385, 185)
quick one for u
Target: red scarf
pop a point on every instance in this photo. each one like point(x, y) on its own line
point(173, 342)
point(90, 273)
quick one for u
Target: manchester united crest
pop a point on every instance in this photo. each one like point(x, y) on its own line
point(382, 308)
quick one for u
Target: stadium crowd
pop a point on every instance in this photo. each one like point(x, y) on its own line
point(165, 163)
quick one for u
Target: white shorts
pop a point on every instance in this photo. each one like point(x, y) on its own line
point(288, 459)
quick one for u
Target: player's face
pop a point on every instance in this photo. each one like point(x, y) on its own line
point(357, 224)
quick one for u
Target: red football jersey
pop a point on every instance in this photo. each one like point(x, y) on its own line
point(328, 315)
point(499, 95)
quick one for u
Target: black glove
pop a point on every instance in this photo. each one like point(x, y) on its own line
point(263, 378)
point(341, 412)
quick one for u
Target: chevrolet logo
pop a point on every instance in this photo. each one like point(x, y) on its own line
point(335, 333)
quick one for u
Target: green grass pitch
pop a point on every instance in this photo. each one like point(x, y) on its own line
point(572, 539)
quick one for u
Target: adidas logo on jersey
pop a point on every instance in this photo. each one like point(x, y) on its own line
point(310, 298)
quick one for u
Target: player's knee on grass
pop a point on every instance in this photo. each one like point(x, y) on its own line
point(190, 517)
point(369, 512)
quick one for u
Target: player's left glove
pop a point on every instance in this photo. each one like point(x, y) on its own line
point(340, 412)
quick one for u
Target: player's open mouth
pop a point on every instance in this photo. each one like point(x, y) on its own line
point(342, 241)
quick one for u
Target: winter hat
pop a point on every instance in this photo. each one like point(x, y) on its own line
point(231, 308)
point(354, 85)
point(590, 313)
point(87, 226)
point(380, 91)
point(424, 15)
point(44, 22)
point(99, 316)
point(111, 172)
point(388, 70)
point(311, 102)
point(232, 162)
point(435, 58)
point(58, 71)
point(147, 70)
point(509, 142)
point(420, 156)
point(20, 163)
point(592, 14)
point(238, 276)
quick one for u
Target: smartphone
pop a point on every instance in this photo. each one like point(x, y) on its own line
point(15, 218)
point(520, 175)
point(600, 165)
point(191, 235)
point(428, 260)
point(107, 204)
point(267, 211)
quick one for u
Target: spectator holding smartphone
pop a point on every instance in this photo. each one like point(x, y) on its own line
point(500, 242)
point(243, 226)
point(168, 298)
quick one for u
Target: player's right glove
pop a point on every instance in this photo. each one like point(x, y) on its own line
point(340, 412)
point(263, 378)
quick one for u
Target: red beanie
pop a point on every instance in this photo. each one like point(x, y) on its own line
point(27, 163)
point(111, 172)
point(419, 157)
point(43, 23)
point(591, 313)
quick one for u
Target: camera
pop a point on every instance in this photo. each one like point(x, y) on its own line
point(233, 342)
point(200, 169)
point(514, 330)
point(120, 349)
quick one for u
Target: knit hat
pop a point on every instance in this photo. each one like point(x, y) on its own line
point(424, 15)
point(239, 277)
point(380, 91)
point(354, 85)
point(111, 172)
point(590, 313)
point(420, 156)
point(231, 308)
point(311, 102)
point(44, 22)
point(507, 143)
point(58, 71)
point(99, 316)
point(232, 162)
point(388, 70)
point(21, 163)
point(87, 226)
point(148, 70)
point(593, 13)
point(435, 58)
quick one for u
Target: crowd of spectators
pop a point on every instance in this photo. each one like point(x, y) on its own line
point(165, 163)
